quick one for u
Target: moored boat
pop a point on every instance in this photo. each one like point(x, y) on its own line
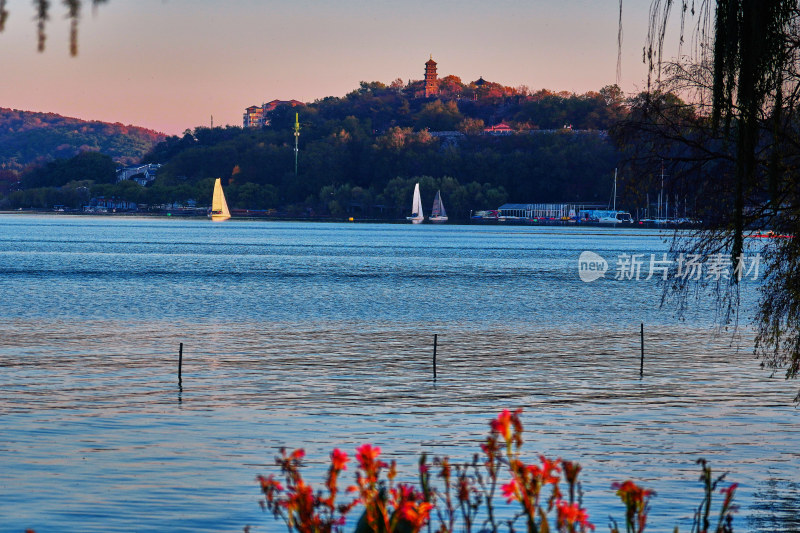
point(219, 207)
point(438, 214)
point(416, 207)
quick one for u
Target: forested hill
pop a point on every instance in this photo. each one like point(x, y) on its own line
point(29, 137)
point(361, 154)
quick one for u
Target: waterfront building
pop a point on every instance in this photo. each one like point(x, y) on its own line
point(543, 211)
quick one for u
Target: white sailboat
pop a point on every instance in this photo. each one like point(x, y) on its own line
point(438, 214)
point(416, 207)
point(219, 207)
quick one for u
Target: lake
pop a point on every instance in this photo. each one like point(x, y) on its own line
point(320, 335)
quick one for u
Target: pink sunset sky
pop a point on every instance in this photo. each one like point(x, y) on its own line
point(170, 65)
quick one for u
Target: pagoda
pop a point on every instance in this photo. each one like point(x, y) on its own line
point(431, 83)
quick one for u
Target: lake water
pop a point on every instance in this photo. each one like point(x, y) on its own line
point(320, 336)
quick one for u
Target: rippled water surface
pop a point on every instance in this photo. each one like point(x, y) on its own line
point(320, 336)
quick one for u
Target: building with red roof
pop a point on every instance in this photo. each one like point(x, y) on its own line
point(499, 129)
point(256, 116)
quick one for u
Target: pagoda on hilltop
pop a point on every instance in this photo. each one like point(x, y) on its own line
point(431, 83)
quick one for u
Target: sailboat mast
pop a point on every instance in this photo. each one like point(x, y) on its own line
point(296, 139)
point(661, 192)
point(615, 190)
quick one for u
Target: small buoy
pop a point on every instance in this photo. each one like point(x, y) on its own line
point(351, 219)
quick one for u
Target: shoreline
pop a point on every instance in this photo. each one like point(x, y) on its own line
point(273, 218)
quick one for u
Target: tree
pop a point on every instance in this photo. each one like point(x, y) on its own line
point(439, 116)
point(92, 166)
point(742, 148)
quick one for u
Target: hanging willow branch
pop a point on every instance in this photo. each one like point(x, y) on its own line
point(742, 151)
point(42, 16)
point(748, 58)
point(3, 14)
point(42, 9)
point(74, 7)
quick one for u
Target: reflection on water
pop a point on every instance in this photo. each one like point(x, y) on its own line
point(320, 335)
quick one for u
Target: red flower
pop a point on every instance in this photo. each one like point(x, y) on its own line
point(550, 469)
point(510, 490)
point(502, 424)
point(270, 487)
point(366, 455)
point(571, 515)
point(339, 459)
point(415, 514)
point(269, 482)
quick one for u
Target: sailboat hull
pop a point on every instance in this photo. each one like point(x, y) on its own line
point(219, 218)
point(438, 220)
point(415, 220)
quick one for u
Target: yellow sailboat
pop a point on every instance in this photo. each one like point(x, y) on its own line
point(219, 207)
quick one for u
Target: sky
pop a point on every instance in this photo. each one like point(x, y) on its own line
point(169, 65)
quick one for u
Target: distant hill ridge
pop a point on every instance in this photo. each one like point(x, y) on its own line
point(28, 137)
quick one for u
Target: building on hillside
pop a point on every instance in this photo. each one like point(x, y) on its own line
point(431, 81)
point(142, 174)
point(499, 129)
point(253, 117)
point(479, 83)
point(256, 116)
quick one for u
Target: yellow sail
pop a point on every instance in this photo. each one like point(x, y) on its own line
point(219, 207)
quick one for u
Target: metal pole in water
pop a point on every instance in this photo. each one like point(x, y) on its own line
point(435, 342)
point(180, 363)
point(641, 364)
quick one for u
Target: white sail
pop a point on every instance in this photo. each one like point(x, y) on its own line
point(416, 207)
point(219, 207)
point(438, 214)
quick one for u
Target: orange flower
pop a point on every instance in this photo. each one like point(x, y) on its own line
point(632, 494)
point(502, 424)
point(269, 486)
point(366, 455)
point(415, 514)
point(269, 482)
point(569, 515)
point(339, 459)
point(636, 500)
